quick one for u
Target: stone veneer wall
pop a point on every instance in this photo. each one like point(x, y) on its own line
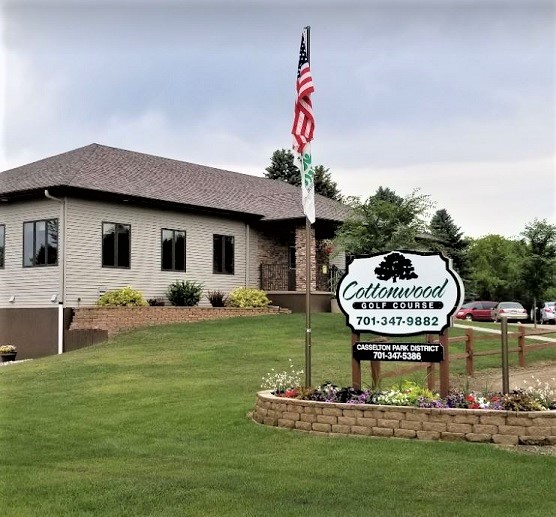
point(502, 427)
point(301, 259)
point(119, 319)
point(273, 248)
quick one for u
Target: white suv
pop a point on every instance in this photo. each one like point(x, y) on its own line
point(548, 312)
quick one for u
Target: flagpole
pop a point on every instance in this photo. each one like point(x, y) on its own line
point(308, 268)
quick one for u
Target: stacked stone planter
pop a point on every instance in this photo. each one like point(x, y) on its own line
point(472, 425)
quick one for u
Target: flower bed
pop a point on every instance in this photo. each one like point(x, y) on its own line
point(473, 425)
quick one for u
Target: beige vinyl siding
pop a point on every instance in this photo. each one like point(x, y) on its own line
point(85, 274)
point(31, 286)
point(339, 261)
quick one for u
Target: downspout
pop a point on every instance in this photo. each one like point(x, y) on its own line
point(62, 265)
point(247, 255)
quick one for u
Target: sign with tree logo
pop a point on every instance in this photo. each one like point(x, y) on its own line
point(400, 293)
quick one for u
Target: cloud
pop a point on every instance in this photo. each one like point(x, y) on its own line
point(406, 91)
point(482, 197)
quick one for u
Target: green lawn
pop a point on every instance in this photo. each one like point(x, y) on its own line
point(128, 428)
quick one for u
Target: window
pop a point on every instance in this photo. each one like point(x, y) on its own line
point(2, 244)
point(116, 245)
point(173, 250)
point(40, 243)
point(223, 254)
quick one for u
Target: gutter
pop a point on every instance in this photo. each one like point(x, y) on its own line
point(62, 265)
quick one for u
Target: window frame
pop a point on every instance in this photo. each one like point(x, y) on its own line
point(34, 223)
point(174, 231)
point(115, 266)
point(222, 247)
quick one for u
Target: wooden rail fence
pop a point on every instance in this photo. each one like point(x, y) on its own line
point(469, 339)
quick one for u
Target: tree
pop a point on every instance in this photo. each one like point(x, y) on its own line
point(387, 194)
point(495, 265)
point(449, 240)
point(324, 185)
point(537, 272)
point(282, 167)
point(384, 222)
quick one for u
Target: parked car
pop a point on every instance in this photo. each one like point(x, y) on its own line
point(548, 313)
point(512, 310)
point(476, 311)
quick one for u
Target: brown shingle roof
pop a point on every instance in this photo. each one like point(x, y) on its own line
point(117, 171)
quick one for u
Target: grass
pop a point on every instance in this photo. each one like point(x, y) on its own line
point(129, 428)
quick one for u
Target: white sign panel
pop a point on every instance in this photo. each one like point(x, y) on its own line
point(400, 293)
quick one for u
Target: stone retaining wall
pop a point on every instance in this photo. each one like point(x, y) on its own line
point(119, 319)
point(502, 427)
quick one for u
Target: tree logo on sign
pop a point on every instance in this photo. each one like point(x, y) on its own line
point(395, 266)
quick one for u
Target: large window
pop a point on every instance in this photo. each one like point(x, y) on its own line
point(173, 250)
point(40, 243)
point(2, 244)
point(116, 245)
point(223, 254)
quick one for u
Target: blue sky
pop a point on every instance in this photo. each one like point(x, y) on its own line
point(454, 98)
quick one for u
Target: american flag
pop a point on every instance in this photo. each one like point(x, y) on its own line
point(303, 121)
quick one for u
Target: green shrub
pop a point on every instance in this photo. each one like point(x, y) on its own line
point(248, 297)
point(124, 297)
point(217, 298)
point(184, 293)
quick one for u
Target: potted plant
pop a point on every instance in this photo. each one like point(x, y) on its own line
point(7, 353)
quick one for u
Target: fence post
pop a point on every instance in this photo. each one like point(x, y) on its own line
point(355, 364)
point(505, 359)
point(469, 347)
point(429, 338)
point(375, 374)
point(521, 346)
point(445, 365)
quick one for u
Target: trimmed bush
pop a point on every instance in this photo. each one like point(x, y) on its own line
point(246, 297)
point(217, 298)
point(184, 293)
point(124, 297)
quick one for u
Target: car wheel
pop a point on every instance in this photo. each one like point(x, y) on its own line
point(469, 317)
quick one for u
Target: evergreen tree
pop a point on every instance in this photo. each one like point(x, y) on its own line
point(324, 185)
point(388, 195)
point(450, 241)
point(282, 167)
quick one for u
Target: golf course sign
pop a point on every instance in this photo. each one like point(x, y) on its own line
point(400, 293)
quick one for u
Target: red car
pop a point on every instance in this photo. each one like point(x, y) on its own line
point(476, 311)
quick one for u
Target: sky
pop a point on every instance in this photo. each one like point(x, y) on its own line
point(454, 98)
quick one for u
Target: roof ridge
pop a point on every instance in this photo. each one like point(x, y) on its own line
point(89, 150)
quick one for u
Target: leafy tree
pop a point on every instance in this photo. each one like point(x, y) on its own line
point(495, 268)
point(449, 240)
point(537, 272)
point(282, 167)
point(384, 222)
